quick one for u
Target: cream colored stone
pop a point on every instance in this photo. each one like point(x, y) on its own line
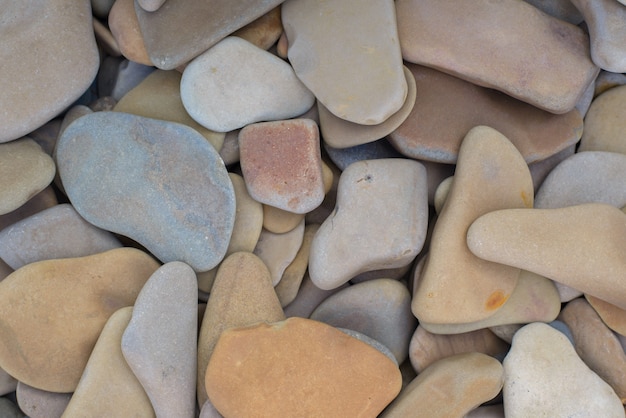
point(605, 122)
point(278, 251)
point(279, 221)
point(613, 316)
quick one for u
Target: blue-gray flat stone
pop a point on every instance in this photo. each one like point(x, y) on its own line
point(160, 183)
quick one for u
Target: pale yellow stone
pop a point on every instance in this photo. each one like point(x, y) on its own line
point(279, 221)
point(605, 122)
point(613, 316)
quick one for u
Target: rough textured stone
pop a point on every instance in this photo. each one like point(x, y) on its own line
point(36, 87)
point(37, 403)
point(443, 35)
point(49, 347)
point(124, 174)
point(277, 251)
point(346, 65)
point(320, 370)
point(605, 123)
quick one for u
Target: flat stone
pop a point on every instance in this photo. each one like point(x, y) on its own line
point(605, 122)
point(56, 232)
point(236, 83)
point(457, 286)
point(242, 295)
point(308, 298)
point(596, 344)
point(607, 33)
point(282, 164)
point(426, 348)
point(25, 170)
point(443, 35)
point(125, 29)
point(377, 150)
point(346, 64)
point(277, 251)
point(264, 31)
point(380, 309)
point(545, 377)
point(49, 347)
point(452, 387)
point(613, 316)
point(182, 30)
point(320, 370)
point(341, 133)
point(393, 190)
point(160, 341)
point(585, 177)
point(580, 246)
point(280, 221)
point(37, 403)
point(158, 97)
point(38, 86)
point(447, 107)
point(183, 203)
point(108, 386)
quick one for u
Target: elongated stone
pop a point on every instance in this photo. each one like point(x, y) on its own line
point(581, 246)
point(345, 66)
point(125, 29)
point(277, 251)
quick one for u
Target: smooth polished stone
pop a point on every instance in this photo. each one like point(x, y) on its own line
point(443, 35)
point(182, 29)
point(236, 83)
point(125, 29)
point(105, 39)
point(263, 31)
point(56, 232)
point(320, 370)
point(280, 221)
point(249, 218)
point(282, 164)
point(25, 170)
point(124, 174)
point(491, 174)
point(605, 122)
point(345, 65)
point(150, 5)
point(393, 191)
point(343, 157)
point(580, 246)
point(561, 9)
point(308, 298)
point(47, 64)
point(8, 409)
point(380, 309)
point(101, 8)
point(613, 316)
point(41, 201)
point(158, 97)
point(37, 403)
point(606, 80)
point(160, 341)
point(447, 107)
point(545, 377)
point(596, 344)
point(450, 387)
point(118, 76)
point(209, 411)
point(230, 149)
point(277, 251)
point(539, 170)
point(108, 387)
point(242, 295)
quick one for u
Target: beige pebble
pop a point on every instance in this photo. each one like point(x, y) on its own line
point(279, 221)
point(605, 122)
point(125, 29)
point(37, 403)
point(278, 251)
point(612, 316)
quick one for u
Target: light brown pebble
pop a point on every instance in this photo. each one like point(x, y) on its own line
point(277, 251)
point(42, 200)
point(612, 316)
point(605, 122)
point(263, 31)
point(279, 221)
point(125, 29)
point(37, 403)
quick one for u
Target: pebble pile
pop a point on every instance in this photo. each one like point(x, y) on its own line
point(304, 208)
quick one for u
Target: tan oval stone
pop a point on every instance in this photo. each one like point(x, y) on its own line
point(279, 221)
point(612, 316)
point(42, 200)
point(264, 31)
point(581, 246)
point(457, 286)
point(242, 294)
point(248, 218)
point(125, 29)
point(48, 347)
point(299, 368)
point(605, 123)
point(278, 251)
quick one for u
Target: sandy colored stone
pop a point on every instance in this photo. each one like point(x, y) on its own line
point(447, 107)
point(264, 31)
point(605, 122)
point(341, 133)
point(612, 316)
point(242, 294)
point(345, 65)
point(49, 347)
point(607, 80)
point(56, 232)
point(443, 35)
point(249, 217)
point(596, 344)
point(299, 367)
point(426, 348)
point(456, 286)
point(308, 298)
point(42, 200)
point(277, 251)
point(280, 221)
point(105, 39)
point(125, 28)
point(452, 387)
point(108, 387)
point(394, 192)
point(580, 246)
point(441, 193)
point(46, 63)
point(37, 403)
point(545, 377)
point(282, 164)
point(25, 170)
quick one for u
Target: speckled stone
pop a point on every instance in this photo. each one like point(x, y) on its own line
point(443, 35)
point(345, 65)
point(392, 191)
point(343, 157)
point(282, 164)
point(37, 403)
point(279, 250)
point(57, 232)
point(124, 174)
point(236, 83)
point(605, 122)
point(36, 87)
point(319, 370)
point(160, 341)
point(54, 344)
point(539, 170)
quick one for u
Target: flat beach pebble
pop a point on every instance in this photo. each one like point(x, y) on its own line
point(159, 183)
